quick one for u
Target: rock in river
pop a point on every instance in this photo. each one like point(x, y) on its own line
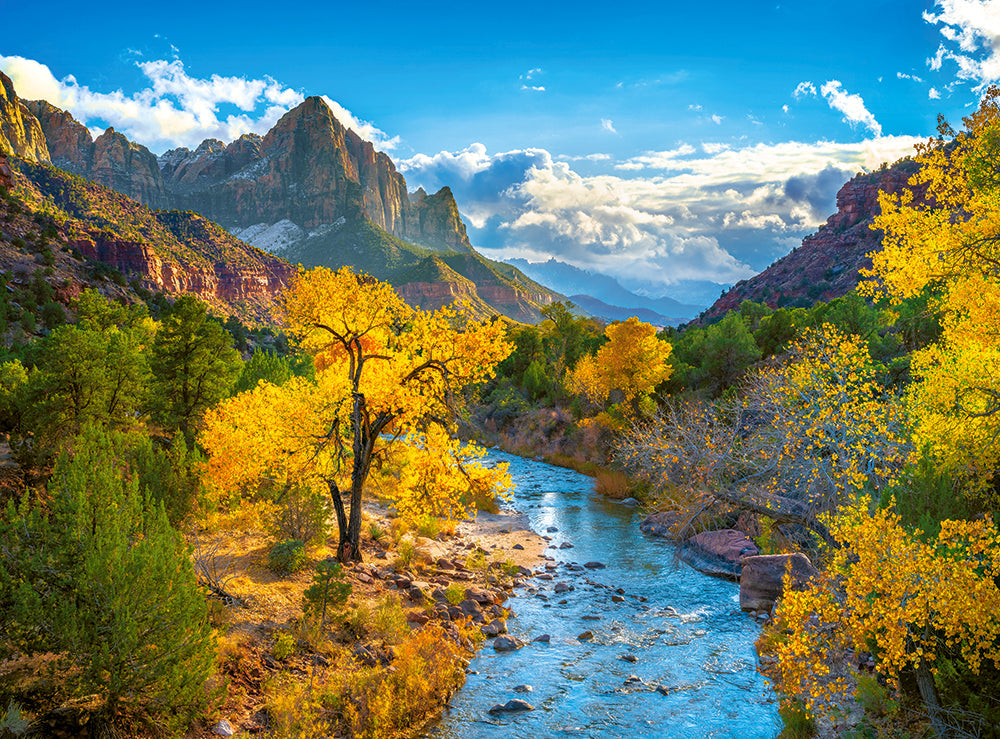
point(761, 579)
point(514, 705)
point(718, 553)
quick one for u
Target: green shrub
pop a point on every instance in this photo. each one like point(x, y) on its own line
point(284, 646)
point(304, 514)
point(376, 532)
point(455, 593)
point(287, 556)
point(405, 553)
point(328, 591)
point(798, 723)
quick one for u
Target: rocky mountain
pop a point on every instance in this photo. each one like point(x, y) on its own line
point(827, 264)
point(110, 159)
point(312, 191)
point(20, 132)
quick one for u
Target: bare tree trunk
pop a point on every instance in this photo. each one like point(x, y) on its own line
point(929, 694)
point(338, 507)
point(780, 509)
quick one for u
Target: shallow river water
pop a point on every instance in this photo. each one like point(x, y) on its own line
point(689, 637)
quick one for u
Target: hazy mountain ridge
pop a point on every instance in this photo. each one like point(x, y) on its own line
point(605, 296)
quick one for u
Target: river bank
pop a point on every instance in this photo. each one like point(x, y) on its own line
point(408, 591)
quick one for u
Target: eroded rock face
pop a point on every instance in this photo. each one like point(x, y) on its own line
point(110, 160)
point(761, 580)
point(21, 134)
point(718, 553)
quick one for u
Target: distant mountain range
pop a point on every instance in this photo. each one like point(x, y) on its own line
point(604, 296)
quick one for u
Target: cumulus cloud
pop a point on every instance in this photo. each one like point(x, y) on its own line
point(706, 212)
point(851, 105)
point(608, 125)
point(971, 29)
point(803, 89)
point(933, 94)
point(717, 119)
point(904, 76)
point(175, 108)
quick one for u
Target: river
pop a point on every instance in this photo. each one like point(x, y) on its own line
point(692, 647)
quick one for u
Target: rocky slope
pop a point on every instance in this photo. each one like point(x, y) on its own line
point(95, 234)
point(110, 159)
point(827, 264)
point(310, 190)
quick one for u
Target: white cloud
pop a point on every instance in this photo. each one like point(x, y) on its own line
point(608, 125)
point(933, 94)
point(851, 105)
point(694, 107)
point(904, 76)
point(803, 89)
point(717, 119)
point(533, 88)
point(706, 212)
point(175, 109)
point(974, 27)
point(366, 130)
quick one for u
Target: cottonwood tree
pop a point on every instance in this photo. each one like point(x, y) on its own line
point(889, 592)
point(942, 233)
point(796, 442)
point(385, 373)
point(625, 370)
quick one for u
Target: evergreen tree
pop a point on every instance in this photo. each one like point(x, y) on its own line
point(194, 365)
point(105, 583)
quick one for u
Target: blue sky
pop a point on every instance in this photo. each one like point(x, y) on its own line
point(668, 144)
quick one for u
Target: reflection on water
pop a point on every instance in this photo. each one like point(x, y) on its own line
point(678, 664)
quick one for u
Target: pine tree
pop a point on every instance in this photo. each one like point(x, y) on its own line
point(106, 583)
point(194, 365)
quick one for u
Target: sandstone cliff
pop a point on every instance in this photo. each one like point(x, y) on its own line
point(110, 159)
point(166, 251)
point(827, 264)
point(20, 133)
point(310, 170)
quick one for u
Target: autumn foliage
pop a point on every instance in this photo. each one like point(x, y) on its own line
point(388, 381)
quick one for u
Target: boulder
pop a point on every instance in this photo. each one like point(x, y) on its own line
point(514, 705)
point(718, 553)
point(507, 644)
point(542, 638)
point(761, 578)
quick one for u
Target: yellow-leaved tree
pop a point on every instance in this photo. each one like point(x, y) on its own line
point(386, 374)
point(890, 593)
point(797, 442)
point(625, 370)
point(943, 234)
